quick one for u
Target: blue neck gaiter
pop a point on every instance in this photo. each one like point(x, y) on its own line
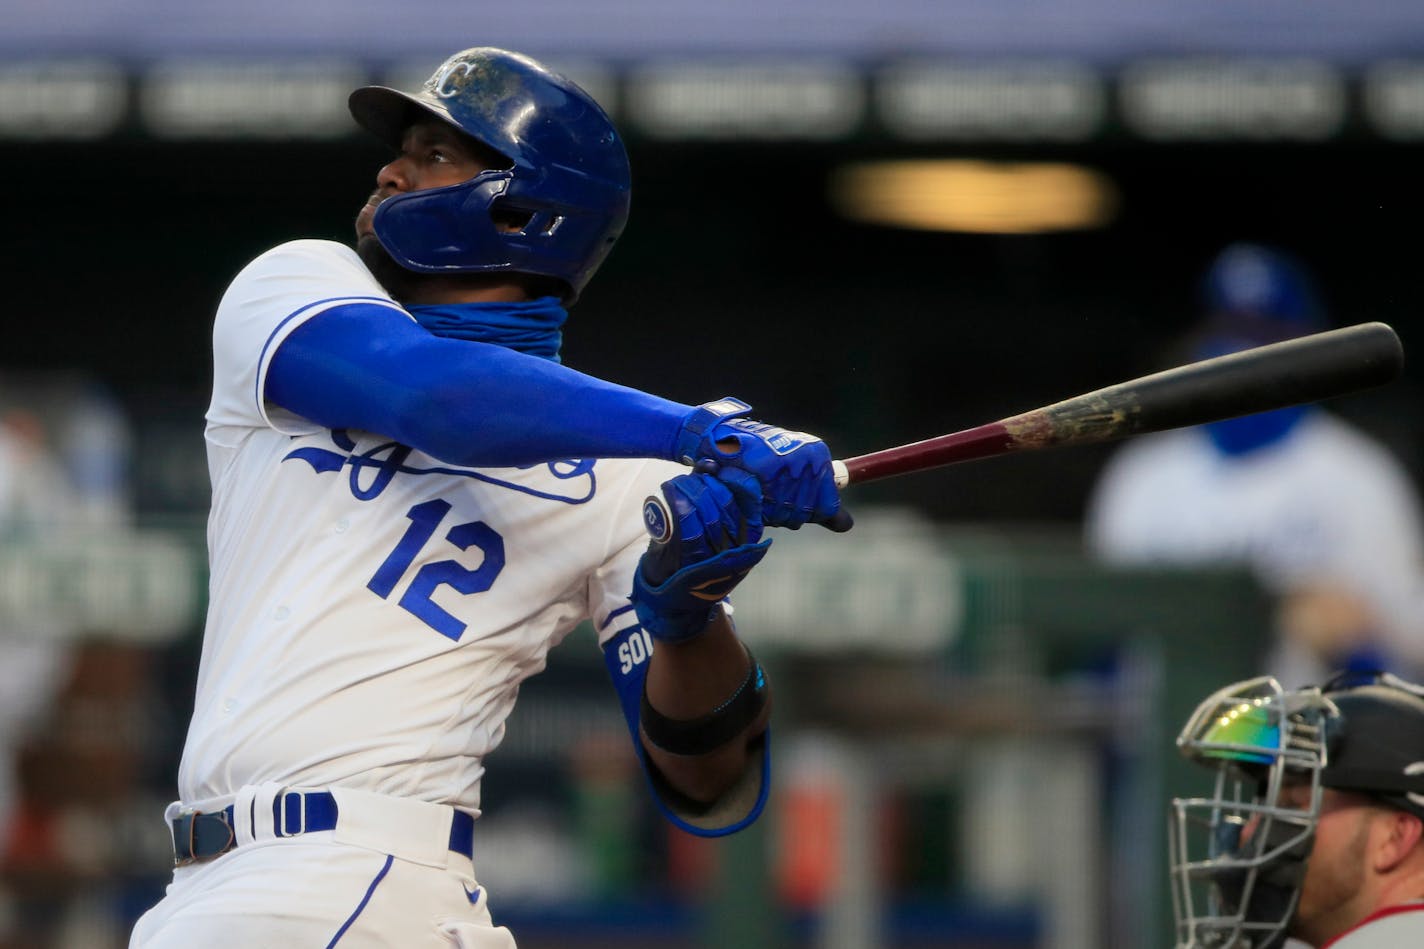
point(1235, 437)
point(1241, 436)
point(532, 327)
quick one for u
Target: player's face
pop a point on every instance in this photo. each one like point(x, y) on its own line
point(432, 155)
point(1332, 897)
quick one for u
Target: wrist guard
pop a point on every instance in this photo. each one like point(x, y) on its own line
point(709, 732)
point(695, 438)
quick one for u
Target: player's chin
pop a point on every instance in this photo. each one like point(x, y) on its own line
point(363, 221)
point(391, 275)
point(368, 247)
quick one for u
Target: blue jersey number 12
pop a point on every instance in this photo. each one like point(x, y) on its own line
point(425, 519)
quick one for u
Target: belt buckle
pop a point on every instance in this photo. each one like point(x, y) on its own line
point(185, 828)
point(280, 828)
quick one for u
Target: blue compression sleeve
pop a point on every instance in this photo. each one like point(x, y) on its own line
point(361, 366)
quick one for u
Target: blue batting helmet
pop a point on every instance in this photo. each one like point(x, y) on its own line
point(568, 172)
point(1261, 294)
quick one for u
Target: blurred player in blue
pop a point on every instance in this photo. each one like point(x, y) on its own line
point(413, 501)
point(1326, 516)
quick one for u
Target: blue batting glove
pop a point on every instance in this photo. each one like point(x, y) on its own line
point(706, 537)
point(793, 469)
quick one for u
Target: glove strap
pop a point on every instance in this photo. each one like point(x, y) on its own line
point(702, 420)
point(698, 736)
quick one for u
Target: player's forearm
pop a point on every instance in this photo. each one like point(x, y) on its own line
point(696, 682)
point(527, 411)
point(465, 403)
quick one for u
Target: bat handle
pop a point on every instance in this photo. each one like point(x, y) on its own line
point(842, 521)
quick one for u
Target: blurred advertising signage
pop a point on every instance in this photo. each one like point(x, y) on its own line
point(809, 98)
point(1006, 101)
point(1292, 99)
point(228, 98)
point(898, 590)
point(61, 98)
point(1394, 99)
point(124, 584)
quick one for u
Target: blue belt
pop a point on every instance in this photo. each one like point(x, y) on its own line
point(199, 836)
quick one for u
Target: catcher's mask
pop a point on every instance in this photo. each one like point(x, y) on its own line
point(1238, 856)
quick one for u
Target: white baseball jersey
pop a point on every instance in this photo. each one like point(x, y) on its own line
point(1392, 928)
point(373, 610)
point(1324, 502)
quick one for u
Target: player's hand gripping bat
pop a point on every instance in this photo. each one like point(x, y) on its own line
point(1293, 372)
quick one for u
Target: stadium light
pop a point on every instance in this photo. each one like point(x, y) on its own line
point(974, 196)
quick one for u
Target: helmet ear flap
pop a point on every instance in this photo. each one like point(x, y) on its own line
point(436, 230)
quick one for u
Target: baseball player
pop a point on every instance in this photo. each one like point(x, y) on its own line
point(1315, 828)
point(414, 501)
point(1325, 516)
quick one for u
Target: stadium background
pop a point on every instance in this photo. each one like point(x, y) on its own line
point(150, 151)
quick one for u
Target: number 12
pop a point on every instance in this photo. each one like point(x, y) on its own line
point(425, 518)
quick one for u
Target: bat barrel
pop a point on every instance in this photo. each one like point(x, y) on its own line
point(1293, 372)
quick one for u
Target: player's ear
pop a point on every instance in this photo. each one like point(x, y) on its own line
point(1399, 837)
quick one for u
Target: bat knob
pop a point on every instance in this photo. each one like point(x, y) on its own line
point(657, 520)
point(840, 522)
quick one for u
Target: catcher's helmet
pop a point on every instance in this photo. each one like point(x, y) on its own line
point(1378, 744)
point(568, 172)
point(1233, 890)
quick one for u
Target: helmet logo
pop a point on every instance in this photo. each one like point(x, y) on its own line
point(438, 83)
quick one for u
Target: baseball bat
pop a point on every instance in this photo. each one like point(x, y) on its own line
point(1293, 372)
